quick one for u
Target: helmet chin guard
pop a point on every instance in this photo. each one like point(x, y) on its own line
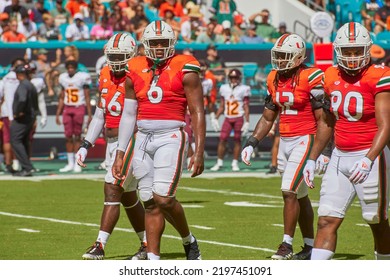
point(119, 49)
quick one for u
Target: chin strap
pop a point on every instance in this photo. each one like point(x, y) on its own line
point(154, 66)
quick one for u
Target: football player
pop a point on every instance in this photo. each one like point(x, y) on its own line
point(359, 93)
point(118, 50)
point(73, 101)
point(295, 93)
point(234, 104)
point(160, 85)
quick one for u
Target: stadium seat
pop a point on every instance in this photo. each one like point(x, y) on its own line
point(249, 72)
point(383, 37)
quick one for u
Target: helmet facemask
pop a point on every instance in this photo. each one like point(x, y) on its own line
point(285, 60)
point(353, 58)
point(159, 49)
point(117, 60)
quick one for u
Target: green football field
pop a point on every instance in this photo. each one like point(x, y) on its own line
point(235, 216)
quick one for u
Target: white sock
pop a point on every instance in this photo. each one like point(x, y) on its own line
point(71, 159)
point(103, 237)
point(288, 239)
point(220, 162)
point(153, 257)
point(188, 239)
point(321, 254)
point(382, 256)
point(308, 241)
point(234, 162)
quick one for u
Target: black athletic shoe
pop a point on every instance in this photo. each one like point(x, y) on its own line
point(95, 252)
point(192, 251)
point(23, 173)
point(285, 252)
point(141, 254)
point(305, 254)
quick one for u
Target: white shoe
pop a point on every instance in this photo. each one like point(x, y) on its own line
point(67, 168)
point(216, 167)
point(77, 168)
point(235, 168)
point(16, 165)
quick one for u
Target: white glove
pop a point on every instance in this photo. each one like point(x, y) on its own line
point(245, 128)
point(43, 122)
point(214, 122)
point(80, 156)
point(322, 164)
point(308, 173)
point(246, 155)
point(360, 170)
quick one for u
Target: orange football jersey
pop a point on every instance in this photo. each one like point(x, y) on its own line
point(293, 99)
point(353, 104)
point(161, 96)
point(112, 97)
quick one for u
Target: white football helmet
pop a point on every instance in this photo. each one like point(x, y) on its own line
point(352, 45)
point(159, 40)
point(288, 52)
point(118, 51)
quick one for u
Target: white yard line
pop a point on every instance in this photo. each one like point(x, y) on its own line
point(130, 230)
point(28, 230)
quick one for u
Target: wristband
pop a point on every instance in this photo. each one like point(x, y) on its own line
point(85, 144)
point(252, 141)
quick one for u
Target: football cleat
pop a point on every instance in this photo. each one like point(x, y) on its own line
point(285, 252)
point(77, 168)
point(141, 254)
point(216, 167)
point(67, 168)
point(95, 252)
point(235, 167)
point(192, 251)
point(305, 254)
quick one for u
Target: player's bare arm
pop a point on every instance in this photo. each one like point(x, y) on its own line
point(194, 94)
point(221, 108)
point(382, 115)
point(126, 128)
point(265, 124)
point(60, 106)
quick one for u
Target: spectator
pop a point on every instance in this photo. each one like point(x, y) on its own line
point(281, 31)
point(191, 28)
point(38, 11)
point(382, 18)
point(102, 31)
point(263, 28)
point(223, 10)
point(118, 20)
point(173, 5)
point(60, 15)
point(78, 30)
point(42, 65)
point(76, 6)
point(368, 10)
point(218, 27)
point(4, 22)
point(15, 10)
point(152, 10)
point(169, 18)
point(28, 28)
point(207, 36)
point(227, 37)
point(251, 36)
point(128, 7)
point(141, 27)
point(95, 12)
point(238, 28)
point(3, 4)
point(48, 30)
point(135, 21)
point(215, 63)
point(12, 35)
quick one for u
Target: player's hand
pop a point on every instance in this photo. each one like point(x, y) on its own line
point(360, 170)
point(58, 121)
point(117, 166)
point(246, 155)
point(80, 156)
point(196, 165)
point(43, 122)
point(322, 164)
point(245, 128)
point(308, 173)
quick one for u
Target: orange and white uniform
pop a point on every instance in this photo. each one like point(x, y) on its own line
point(161, 144)
point(353, 104)
point(112, 96)
point(297, 123)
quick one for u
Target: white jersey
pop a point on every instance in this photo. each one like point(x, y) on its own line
point(207, 85)
point(74, 87)
point(40, 85)
point(10, 84)
point(234, 99)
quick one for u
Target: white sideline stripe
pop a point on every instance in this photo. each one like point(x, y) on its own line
point(230, 193)
point(202, 227)
point(362, 225)
point(192, 206)
point(277, 225)
point(129, 230)
point(250, 204)
point(28, 230)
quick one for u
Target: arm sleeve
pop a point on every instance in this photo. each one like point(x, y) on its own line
point(42, 105)
point(96, 126)
point(127, 123)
